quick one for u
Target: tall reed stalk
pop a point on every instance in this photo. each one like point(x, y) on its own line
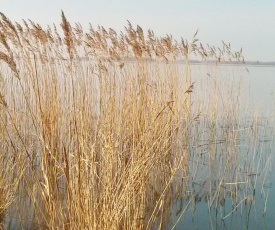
point(96, 125)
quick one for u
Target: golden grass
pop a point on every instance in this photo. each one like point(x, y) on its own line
point(97, 123)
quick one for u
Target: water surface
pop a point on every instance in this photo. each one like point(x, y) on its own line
point(230, 182)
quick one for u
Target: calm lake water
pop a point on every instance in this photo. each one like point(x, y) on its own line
point(230, 182)
point(231, 176)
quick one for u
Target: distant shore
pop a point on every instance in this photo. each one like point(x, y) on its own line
point(247, 63)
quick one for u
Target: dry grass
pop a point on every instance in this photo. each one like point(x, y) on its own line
point(97, 124)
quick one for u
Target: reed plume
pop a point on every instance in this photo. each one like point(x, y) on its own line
point(105, 119)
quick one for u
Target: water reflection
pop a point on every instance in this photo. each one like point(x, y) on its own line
point(231, 161)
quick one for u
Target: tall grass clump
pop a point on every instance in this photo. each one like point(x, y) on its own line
point(96, 125)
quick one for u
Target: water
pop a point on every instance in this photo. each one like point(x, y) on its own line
point(231, 180)
point(231, 155)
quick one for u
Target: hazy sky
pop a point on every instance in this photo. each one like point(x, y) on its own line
point(249, 24)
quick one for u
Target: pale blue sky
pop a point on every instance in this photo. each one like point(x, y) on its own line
point(249, 24)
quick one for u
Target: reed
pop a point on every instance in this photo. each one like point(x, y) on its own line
point(99, 125)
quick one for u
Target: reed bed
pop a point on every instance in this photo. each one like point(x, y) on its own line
point(97, 127)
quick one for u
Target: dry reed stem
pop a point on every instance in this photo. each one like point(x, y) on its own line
point(105, 136)
point(10, 63)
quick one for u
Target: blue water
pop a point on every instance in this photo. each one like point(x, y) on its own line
point(251, 153)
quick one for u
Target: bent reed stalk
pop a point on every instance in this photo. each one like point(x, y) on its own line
point(96, 123)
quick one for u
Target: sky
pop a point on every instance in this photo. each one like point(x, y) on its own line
point(246, 24)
